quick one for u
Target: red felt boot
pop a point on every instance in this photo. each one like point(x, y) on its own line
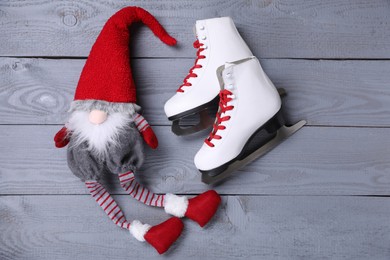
point(200, 208)
point(162, 236)
point(203, 207)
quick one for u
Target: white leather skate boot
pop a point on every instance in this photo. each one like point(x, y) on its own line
point(218, 41)
point(249, 103)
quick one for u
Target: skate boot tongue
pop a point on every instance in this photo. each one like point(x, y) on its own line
point(228, 65)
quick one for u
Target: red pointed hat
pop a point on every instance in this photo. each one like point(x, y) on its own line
point(107, 74)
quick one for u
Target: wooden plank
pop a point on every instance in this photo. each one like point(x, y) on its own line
point(74, 227)
point(273, 29)
point(315, 161)
point(336, 93)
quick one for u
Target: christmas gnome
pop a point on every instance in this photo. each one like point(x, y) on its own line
point(105, 133)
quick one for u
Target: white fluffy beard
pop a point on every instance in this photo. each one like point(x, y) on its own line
point(97, 136)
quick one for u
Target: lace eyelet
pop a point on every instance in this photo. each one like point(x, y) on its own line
point(223, 108)
point(191, 74)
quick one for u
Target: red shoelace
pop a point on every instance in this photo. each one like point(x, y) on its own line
point(223, 107)
point(191, 74)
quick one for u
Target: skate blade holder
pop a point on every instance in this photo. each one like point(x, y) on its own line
point(205, 120)
point(222, 172)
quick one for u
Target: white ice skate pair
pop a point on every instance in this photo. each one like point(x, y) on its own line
point(248, 123)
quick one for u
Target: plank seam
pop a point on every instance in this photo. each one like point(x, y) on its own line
point(159, 125)
point(221, 194)
point(193, 57)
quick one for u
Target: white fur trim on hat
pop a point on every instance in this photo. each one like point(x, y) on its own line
point(175, 205)
point(138, 230)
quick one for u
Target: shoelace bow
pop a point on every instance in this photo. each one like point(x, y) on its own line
point(223, 107)
point(191, 74)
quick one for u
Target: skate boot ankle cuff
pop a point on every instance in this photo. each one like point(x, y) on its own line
point(138, 230)
point(175, 205)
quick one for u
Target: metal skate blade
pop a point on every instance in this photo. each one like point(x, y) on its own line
point(205, 121)
point(281, 134)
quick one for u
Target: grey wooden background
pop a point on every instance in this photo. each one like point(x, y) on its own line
point(322, 194)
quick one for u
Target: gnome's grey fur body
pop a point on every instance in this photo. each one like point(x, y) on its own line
point(126, 156)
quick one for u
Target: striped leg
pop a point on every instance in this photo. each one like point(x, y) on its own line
point(140, 123)
point(161, 236)
point(107, 203)
point(200, 208)
point(133, 188)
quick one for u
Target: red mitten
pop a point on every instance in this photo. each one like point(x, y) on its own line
point(61, 139)
point(150, 137)
point(146, 131)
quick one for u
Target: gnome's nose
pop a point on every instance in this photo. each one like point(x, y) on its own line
point(97, 117)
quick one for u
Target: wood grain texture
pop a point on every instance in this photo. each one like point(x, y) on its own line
point(74, 227)
point(322, 194)
point(314, 161)
point(333, 93)
point(273, 29)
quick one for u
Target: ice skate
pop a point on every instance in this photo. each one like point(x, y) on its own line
point(249, 122)
point(218, 41)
